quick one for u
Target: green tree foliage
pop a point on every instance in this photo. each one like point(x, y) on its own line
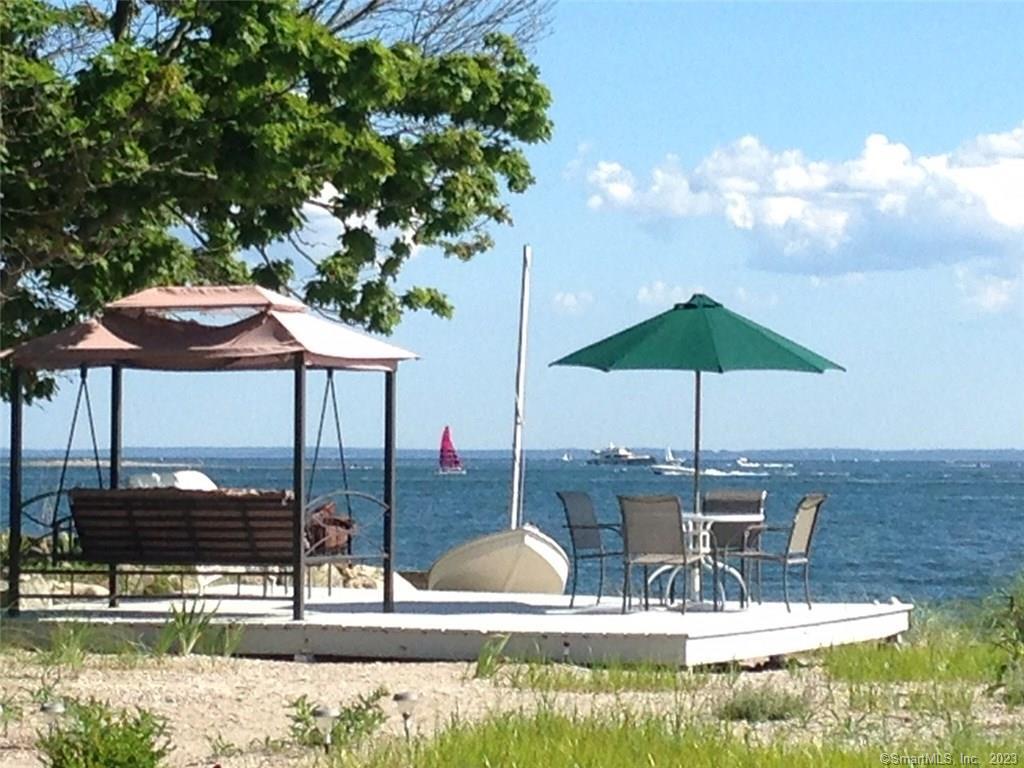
point(156, 142)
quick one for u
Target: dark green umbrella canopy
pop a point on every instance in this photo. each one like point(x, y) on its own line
point(700, 335)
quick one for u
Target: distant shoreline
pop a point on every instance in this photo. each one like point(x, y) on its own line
point(189, 454)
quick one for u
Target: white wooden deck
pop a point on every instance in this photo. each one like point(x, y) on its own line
point(454, 625)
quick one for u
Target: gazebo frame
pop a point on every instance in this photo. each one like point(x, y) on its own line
point(300, 361)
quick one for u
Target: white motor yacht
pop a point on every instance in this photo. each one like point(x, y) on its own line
point(619, 456)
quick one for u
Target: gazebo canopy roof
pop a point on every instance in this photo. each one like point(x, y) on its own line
point(208, 297)
point(136, 332)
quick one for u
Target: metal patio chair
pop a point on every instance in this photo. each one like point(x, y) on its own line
point(585, 536)
point(653, 534)
point(798, 545)
point(729, 537)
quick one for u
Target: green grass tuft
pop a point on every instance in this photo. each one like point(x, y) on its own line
point(602, 678)
point(763, 704)
point(622, 740)
point(940, 648)
point(490, 659)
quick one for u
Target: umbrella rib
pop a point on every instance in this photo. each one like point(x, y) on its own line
point(714, 346)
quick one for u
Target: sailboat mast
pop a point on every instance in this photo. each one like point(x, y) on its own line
point(515, 514)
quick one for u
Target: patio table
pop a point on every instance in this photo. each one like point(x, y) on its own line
point(699, 524)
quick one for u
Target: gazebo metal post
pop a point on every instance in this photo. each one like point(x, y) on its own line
point(389, 490)
point(115, 462)
point(298, 490)
point(14, 489)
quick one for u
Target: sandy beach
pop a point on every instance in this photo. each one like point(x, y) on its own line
point(242, 701)
point(245, 702)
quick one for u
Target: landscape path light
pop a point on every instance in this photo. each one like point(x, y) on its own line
point(52, 711)
point(405, 702)
point(325, 717)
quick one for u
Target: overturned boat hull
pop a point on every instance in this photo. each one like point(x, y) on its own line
point(522, 559)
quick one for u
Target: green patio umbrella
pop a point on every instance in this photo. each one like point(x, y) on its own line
point(700, 335)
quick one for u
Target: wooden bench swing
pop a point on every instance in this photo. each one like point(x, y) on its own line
point(223, 528)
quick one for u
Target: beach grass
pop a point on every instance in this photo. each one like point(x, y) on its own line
point(601, 678)
point(763, 703)
point(942, 647)
point(614, 739)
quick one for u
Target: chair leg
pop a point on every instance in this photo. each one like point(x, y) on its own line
point(719, 586)
point(575, 573)
point(760, 584)
point(686, 587)
point(807, 586)
point(600, 581)
point(625, 585)
point(744, 585)
point(647, 595)
point(785, 585)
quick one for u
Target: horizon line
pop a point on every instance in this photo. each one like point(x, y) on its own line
point(5, 450)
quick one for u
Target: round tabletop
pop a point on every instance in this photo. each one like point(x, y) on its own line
point(752, 519)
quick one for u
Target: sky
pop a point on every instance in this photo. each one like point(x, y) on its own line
point(851, 176)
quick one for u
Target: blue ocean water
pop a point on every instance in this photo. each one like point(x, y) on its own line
point(920, 530)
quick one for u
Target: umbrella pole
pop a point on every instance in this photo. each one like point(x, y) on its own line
point(696, 445)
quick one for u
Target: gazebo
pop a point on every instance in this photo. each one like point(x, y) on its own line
point(146, 331)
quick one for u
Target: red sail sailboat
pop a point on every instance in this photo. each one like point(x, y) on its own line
point(449, 462)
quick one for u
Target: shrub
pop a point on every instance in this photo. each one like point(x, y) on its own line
point(95, 736)
point(1006, 625)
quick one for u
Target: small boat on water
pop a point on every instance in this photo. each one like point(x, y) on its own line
point(619, 456)
point(566, 456)
point(523, 559)
point(746, 463)
point(449, 462)
point(671, 465)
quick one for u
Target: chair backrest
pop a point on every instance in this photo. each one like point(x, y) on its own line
point(804, 523)
point(652, 525)
point(732, 502)
point(581, 520)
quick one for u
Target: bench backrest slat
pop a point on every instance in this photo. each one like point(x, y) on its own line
point(170, 526)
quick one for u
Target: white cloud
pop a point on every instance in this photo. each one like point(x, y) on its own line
point(614, 181)
point(847, 279)
point(755, 298)
point(572, 303)
point(659, 293)
point(574, 167)
point(986, 292)
point(886, 208)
